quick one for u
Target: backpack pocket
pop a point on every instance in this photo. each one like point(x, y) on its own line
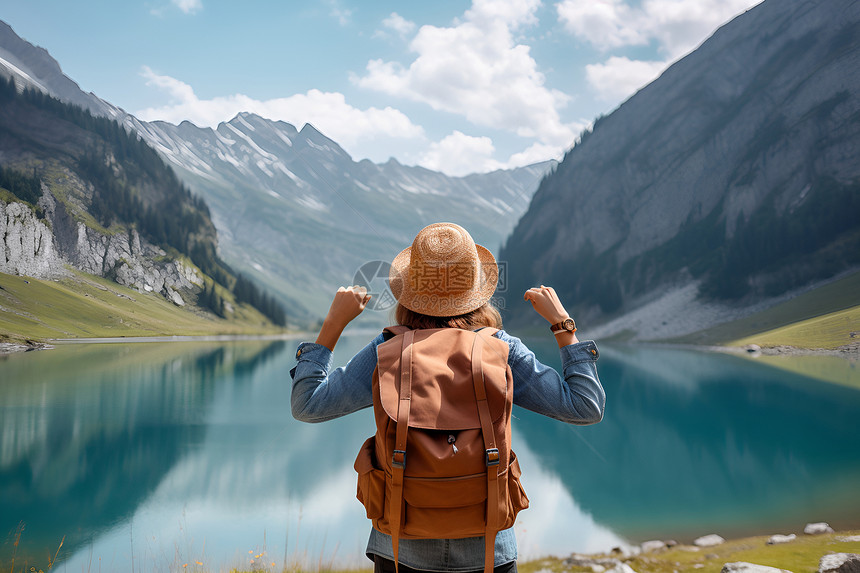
point(371, 480)
point(444, 507)
point(516, 494)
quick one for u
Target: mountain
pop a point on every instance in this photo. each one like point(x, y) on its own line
point(34, 67)
point(81, 190)
point(730, 180)
point(293, 210)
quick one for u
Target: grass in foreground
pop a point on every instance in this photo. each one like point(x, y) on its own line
point(799, 556)
point(85, 306)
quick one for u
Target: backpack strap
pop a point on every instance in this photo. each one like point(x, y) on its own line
point(398, 459)
point(390, 332)
point(492, 456)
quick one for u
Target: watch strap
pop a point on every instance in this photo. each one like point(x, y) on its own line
point(558, 328)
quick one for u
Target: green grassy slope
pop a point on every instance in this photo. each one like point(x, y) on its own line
point(821, 318)
point(85, 306)
point(829, 331)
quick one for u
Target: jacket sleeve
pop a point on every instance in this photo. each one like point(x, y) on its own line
point(320, 394)
point(577, 397)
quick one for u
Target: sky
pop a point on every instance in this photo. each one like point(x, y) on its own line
point(455, 86)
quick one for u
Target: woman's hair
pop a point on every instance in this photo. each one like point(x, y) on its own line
point(486, 315)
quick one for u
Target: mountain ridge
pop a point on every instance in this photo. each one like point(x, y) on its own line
point(293, 209)
point(720, 173)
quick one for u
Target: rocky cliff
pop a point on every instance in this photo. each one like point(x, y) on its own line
point(31, 247)
point(28, 243)
point(736, 171)
point(80, 192)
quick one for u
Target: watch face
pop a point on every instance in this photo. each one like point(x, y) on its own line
point(568, 324)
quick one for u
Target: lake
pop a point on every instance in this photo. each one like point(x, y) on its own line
point(150, 456)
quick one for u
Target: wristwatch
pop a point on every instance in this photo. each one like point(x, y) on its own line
point(566, 325)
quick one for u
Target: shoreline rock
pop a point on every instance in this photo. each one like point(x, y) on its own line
point(744, 567)
point(15, 347)
point(839, 563)
point(710, 540)
point(817, 528)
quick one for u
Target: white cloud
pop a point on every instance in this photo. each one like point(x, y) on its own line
point(674, 27)
point(513, 13)
point(680, 25)
point(342, 15)
point(620, 77)
point(461, 154)
point(399, 24)
point(188, 6)
point(603, 23)
point(535, 153)
point(475, 69)
point(677, 26)
point(328, 111)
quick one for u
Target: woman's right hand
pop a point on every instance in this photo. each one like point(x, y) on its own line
point(546, 303)
point(348, 303)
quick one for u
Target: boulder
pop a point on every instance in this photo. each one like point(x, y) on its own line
point(654, 545)
point(839, 563)
point(709, 540)
point(598, 564)
point(817, 528)
point(849, 538)
point(626, 551)
point(744, 567)
point(621, 568)
point(777, 539)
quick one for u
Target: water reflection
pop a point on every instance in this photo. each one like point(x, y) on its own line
point(156, 455)
point(695, 442)
point(88, 433)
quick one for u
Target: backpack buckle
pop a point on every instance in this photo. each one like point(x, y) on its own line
point(493, 457)
point(400, 463)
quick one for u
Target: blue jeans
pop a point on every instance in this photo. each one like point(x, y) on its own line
point(383, 565)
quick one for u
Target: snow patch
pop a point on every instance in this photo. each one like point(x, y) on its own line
point(318, 147)
point(24, 75)
point(283, 168)
point(311, 202)
point(261, 165)
point(241, 120)
point(251, 143)
point(284, 138)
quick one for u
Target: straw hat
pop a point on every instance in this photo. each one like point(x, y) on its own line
point(443, 273)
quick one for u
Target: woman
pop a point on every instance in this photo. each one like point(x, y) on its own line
point(445, 280)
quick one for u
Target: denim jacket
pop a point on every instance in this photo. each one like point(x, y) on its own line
point(320, 393)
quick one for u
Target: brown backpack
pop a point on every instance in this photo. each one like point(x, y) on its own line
point(440, 465)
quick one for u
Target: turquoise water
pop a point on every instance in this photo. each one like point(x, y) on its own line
point(155, 455)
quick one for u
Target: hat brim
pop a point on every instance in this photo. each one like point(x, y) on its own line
point(440, 305)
